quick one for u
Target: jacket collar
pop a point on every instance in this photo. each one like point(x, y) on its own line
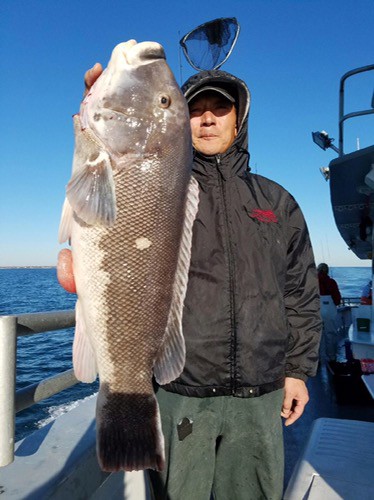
point(232, 163)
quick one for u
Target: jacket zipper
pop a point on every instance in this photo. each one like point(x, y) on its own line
point(231, 279)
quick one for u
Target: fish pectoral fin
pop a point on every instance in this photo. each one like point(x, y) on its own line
point(84, 360)
point(64, 231)
point(91, 190)
point(172, 354)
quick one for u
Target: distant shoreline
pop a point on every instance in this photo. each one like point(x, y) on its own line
point(27, 267)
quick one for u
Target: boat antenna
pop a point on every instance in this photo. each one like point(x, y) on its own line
point(180, 62)
point(323, 251)
point(209, 45)
point(328, 252)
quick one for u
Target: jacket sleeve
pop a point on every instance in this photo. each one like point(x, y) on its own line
point(335, 293)
point(302, 301)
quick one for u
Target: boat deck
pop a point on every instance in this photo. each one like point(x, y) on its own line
point(63, 452)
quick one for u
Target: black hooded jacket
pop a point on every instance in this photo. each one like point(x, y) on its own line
point(251, 314)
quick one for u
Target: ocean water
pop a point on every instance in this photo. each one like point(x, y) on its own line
point(43, 355)
point(351, 280)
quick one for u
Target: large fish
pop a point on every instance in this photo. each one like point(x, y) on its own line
point(129, 210)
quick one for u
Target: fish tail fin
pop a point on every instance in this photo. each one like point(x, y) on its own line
point(129, 435)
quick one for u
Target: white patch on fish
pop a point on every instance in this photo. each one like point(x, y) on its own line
point(142, 243)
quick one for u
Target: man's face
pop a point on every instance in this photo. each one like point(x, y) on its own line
point(213, 123)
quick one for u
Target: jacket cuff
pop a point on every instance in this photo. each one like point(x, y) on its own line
point(300, 376)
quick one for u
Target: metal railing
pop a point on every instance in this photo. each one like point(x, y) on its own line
point(342, 116)
point(350, 301)
point(11, 402)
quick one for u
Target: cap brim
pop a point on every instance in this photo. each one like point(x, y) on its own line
point(211, 89)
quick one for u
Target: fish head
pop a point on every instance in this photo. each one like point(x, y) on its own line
point(136, 102)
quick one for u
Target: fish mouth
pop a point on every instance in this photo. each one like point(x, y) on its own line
point(137, 54)
point(130, 54)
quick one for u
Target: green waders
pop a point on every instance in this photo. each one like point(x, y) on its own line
point(230, 447)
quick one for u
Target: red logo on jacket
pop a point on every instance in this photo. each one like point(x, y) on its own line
point(263, 215)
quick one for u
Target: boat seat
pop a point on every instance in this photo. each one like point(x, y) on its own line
point(337, 462)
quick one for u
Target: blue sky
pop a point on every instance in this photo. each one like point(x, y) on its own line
point(291, 54)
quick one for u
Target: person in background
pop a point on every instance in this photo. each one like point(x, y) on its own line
point(366, 294)
point(330, 298)
point(251, 315)
point(327, 285)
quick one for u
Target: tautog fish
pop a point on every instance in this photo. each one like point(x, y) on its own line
point(129, 210)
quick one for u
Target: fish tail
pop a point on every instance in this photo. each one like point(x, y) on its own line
point(129, 435)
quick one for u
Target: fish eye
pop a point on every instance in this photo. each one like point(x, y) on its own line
point(164, 101)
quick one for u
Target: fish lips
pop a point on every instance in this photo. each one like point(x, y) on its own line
point(136, 54)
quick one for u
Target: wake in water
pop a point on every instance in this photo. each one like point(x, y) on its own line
point(56, 411)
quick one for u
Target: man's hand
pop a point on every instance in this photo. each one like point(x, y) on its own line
point(65, 274)
point(91, 76)
point(295, 398)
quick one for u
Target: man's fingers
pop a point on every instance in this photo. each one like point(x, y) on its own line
point(295, 398)
point(91, 76)
point(296, 413)
point(65, 274)
point(286, 407)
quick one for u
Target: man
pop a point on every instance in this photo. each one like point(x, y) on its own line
point(330, 298)
point(367, 294)
point(327, 285)
point(251, 317)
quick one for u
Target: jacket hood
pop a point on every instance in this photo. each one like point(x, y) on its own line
point(237, 88)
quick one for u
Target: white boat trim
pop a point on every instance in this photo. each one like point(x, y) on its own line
point(369, 382)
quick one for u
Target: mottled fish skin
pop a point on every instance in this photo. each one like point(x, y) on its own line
point(126, 231)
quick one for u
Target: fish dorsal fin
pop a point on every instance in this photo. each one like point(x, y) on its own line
point(84, 361)
point(91, 191)
point(172, 354)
